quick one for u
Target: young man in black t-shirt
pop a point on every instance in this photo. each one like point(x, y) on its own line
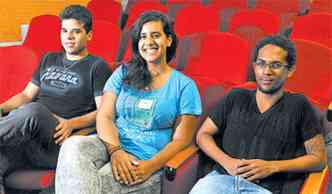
point(262, 141)
point(62, 97)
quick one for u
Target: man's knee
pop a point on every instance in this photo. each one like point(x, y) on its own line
point(34, 109)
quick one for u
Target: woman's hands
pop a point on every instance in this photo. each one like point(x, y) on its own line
point(129, 170)
point(123, 168)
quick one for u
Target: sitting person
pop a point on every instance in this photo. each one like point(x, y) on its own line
point(149, 112)
point(262, 141)
point(62, 96)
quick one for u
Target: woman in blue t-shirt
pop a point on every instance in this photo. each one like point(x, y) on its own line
point(149, 112)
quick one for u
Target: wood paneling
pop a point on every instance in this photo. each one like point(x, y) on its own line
point(17, 12)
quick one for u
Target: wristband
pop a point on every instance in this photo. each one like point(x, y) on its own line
point(329, 115)
point(111, 148)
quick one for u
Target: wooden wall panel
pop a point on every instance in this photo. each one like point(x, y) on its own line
point(13, 13)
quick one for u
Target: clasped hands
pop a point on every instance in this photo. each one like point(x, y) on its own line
point(129, 170)
point(251, 170)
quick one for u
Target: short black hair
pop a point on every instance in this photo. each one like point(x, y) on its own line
point(80, 13)
point(282, 42)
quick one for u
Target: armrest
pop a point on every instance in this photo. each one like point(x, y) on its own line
point(85, 131)
point(180, 158)
point(180, 173)
point(316, 183)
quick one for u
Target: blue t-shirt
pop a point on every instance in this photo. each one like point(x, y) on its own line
point(145, 119)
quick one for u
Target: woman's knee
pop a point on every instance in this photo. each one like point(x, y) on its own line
point(81, 147)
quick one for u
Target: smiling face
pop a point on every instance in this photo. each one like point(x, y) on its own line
point(153, 43)
point(74, 37)
point(270, 80)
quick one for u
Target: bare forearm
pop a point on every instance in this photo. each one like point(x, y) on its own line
point(84, 120)
point(210, 148)
point(168, 152)
point(107, 130)
point(14, 102)
point(307, 163)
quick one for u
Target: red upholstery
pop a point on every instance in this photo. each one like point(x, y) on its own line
point(321, 6)
point(287, 10)
point(313, 75)
point(17, 66)
point(262, 19)
point(226, 9)
point(108, 10)
point(196, 18)
point(184, 1)
point(226, 4)
point(137, 8)
point(105, 41)
point(220, 55)
point(316, 27)
point(40, 37)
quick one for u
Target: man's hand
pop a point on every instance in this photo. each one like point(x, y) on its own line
point(143, 170)
point(63, 130)
point(256, 169)
point(231, 166)
point(123, 168)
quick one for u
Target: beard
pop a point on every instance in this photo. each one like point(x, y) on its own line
point(271, 90)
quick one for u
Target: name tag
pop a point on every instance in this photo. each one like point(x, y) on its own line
point(145, 104)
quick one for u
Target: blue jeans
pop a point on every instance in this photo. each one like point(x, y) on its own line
point(215, 182)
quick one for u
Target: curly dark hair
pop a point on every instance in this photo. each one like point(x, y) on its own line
point(282, 42)
point(138, 74)
point(80, 13)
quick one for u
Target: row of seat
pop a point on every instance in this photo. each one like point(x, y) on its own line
point(286, 10)
point(216, 48)
point(249, 24)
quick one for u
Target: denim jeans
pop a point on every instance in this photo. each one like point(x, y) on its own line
point(26, 139)
point(215, 182)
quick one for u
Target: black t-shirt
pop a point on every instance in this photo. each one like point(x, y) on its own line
point(329, 115)
point(277, 134)
point(69, 88)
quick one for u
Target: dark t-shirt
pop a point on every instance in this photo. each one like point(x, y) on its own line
point(69, 88)
point(277, 134)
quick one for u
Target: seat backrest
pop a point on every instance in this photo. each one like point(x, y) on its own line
point(263, 19)
point(196, 18)
point(108, 10)
point(137, 8)
point(313, 75)
point(226, 10)
point(17, 66)
point(287, 10)
point(321, 6)
point(220, 55)
point(44, 34)
point(105, 41)
point(316, 27)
